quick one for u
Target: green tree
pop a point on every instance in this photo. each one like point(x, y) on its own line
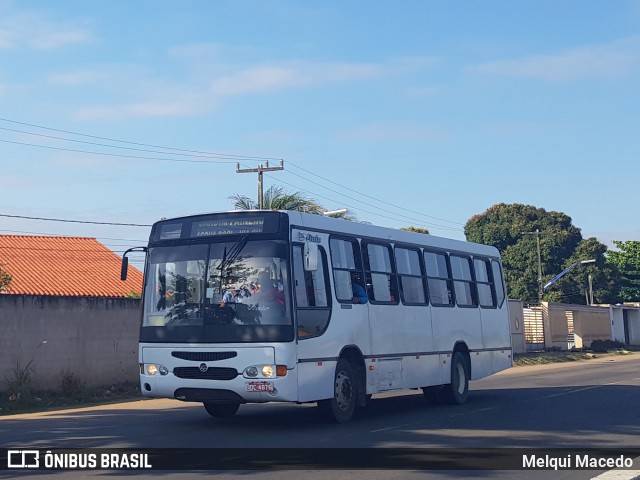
point(5, 278)
point(627, 261)
point(415, 229)
point(512, 229)
point(276, 198)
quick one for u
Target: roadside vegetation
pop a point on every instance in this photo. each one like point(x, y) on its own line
point(23, 399)
point(598, 348)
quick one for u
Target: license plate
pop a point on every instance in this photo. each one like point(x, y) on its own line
point(259, 387)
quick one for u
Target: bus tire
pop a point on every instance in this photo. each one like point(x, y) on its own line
point(221, 410)
point(340, 408)
point(456, 392)
point(433, 395)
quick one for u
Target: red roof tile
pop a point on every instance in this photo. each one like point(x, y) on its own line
point(65, 266)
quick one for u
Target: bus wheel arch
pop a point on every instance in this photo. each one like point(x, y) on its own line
point(457, 392)
point(349, 387)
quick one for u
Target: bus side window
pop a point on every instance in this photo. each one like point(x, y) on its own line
point(347, 267)
point(312, 294)
point(463, 283)
point(410, 276)
point(380, 273)
point(310, 286)
point(484, 282)
point(439, 279)
point(498, 282)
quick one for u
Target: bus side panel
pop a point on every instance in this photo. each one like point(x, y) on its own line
point(407, 335)
point(400, 334)
point(317, 357)
point(315, 380)
point(420, 371)
point(496, 328)
point(481, 364)
point(452, 325)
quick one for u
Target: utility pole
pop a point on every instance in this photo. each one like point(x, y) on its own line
point(537, 233)
point(261, 168)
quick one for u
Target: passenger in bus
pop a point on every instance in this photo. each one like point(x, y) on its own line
point(359, 293)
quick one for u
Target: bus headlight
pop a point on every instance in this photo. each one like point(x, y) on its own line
point(152, 369)
point(265, 371)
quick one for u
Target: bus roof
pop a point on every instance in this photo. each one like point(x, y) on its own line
point(340, 226)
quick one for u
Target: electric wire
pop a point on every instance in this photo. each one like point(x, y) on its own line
point(420, 223)
point(209, 155)
point(76, 221)
point(289, 162)
point(384, 210)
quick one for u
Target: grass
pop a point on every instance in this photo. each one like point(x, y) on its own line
point(541, 358)
point(70, 395)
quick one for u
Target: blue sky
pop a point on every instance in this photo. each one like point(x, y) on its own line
point(418, 113)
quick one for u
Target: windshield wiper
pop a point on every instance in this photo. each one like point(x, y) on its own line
point(228, 257)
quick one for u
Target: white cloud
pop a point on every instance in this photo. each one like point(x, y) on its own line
point(277, 77)
point(32, 29)
point(611, 60)
point(391, 132)
point(78, 78)
point(151, 108)
point(163, 100)
point(206, 86)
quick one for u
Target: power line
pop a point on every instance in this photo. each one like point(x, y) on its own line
point(373, 213)
point(368, 196)
point(61, 235)
point(209, 155)
point(182, 160)
point(370, 205)
point(135, 143)
point(75, 221)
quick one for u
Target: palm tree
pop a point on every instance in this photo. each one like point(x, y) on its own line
point(276, 198)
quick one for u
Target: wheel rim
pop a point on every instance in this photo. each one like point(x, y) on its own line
point(461, 377)
point(344, 391)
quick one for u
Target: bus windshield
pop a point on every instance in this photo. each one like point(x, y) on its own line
point(218, 286)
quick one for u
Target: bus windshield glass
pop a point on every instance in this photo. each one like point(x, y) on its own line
point(219, 291)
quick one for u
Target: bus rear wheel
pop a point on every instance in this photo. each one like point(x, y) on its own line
point(456, 392)
point(221, 409)
point(340, 408)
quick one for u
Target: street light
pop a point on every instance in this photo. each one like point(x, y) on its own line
point(332, 213)
point(565, 271)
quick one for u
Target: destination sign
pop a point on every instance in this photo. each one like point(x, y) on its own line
point(226, 226)
point(217, 225)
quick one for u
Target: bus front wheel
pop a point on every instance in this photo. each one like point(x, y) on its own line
point(340, 408)
point(221, 409)
point(456, 392)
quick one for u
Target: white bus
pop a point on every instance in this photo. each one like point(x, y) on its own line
point(280, 306)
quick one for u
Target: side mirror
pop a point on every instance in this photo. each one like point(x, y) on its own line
point(124, 268)
point(310, 256)
point(125, 261)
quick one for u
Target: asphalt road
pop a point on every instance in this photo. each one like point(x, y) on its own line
point(578, 405)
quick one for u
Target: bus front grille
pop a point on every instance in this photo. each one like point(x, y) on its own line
point(204, 356)
point(213, 373)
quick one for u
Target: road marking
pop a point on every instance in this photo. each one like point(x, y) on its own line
point(620, 474)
